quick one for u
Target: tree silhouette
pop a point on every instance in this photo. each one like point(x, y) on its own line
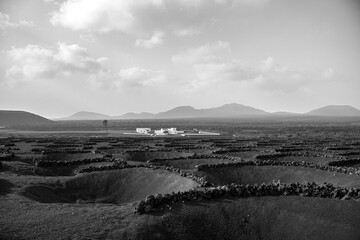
point(105, 123)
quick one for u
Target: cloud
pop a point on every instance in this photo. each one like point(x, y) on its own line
point(253, 3)
point(139, 77)
point(233, 70)
point(328, 73)
point(87, 37)
point(209, 52)
point(156, 39)
point(94, 15)
point(137, 16)
point(34, 61)
point(212, 64)
point(5, 22)
point(66, 60)
point(55, 2)
point(187, 31)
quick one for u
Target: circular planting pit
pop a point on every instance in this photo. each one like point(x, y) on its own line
point(25, 168)
point(355, 163)
point(5, 186)
point(116, 186)
point(256, 218)
point(286, 174)
point(246, 155)
point(189, 164)
point(69, 156)
point(143, 156)
point(320, 160)
point(67, 170)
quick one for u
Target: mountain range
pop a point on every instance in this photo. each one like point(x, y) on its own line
point(232, 110)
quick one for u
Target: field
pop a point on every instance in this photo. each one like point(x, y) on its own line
point(278, 178)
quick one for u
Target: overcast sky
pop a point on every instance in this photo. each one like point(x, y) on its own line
point(118, 56)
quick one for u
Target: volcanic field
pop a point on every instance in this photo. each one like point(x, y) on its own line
point(260, 186)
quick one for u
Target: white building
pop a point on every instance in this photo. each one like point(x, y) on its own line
point(169, 131)
point(172, 131)
point(143, 130)
point(161, 132)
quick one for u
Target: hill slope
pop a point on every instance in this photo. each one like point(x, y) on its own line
point(227, 110)
point(232, 110)
point(335, 110)
point(15, 118)
point(179, 112)
point(83, 115)
point(131, 115)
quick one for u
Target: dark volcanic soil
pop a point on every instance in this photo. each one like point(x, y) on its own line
point(257, 218)
point(267, 174)
point(117, 186)
point(54, 202)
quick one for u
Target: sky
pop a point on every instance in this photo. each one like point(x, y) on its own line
point(118, 56)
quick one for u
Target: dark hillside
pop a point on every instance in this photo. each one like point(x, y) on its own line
point(15, 118)
point(335, 110)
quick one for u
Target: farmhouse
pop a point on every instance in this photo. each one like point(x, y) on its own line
point(162, 131)
point(168, 131)
point(143, 130)
point(174, 131)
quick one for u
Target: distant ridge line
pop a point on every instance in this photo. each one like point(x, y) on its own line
point(232, 110)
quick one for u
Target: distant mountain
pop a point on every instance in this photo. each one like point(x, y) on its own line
point(335, 110)
point(179, 112)
point(232, 110)
point(83, 115)
point(285, 114)
point(16, 118)
point(143, 115)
